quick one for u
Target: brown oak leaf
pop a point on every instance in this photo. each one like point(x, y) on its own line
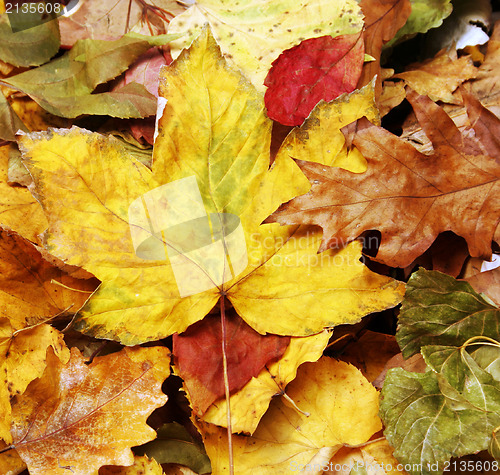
point(408, 196)
point(383, 18)
point(77, 417)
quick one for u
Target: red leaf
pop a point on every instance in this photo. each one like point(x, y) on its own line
point(198, 356)
point(318, 68)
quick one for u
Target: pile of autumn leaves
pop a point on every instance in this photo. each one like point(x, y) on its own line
point(336, 177)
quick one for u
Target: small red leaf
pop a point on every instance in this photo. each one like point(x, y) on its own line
point(198, 357)
point(318, 68)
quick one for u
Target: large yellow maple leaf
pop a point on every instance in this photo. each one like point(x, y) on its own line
point(213, 134)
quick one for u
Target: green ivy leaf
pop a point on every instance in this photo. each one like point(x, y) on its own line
point(425, 427)
point(439, 309)
point(30, 47)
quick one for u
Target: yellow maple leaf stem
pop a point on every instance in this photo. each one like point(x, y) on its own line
point(226, 385)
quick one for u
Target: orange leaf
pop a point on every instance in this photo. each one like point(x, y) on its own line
point(77, 418)
point(32, 290)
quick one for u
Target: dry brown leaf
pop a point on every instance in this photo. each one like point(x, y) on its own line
point(484, 87)
point(31, 289)
point(78, 418)
point(408, 196)
point(440, 76)
point(105, 21)
point(487, 283)
point(370, 353)
point(383, 18)
point(415, 364)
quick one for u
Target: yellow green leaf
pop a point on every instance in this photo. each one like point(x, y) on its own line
point(253, 33)
point(250, 403)
point(212, 156)
point(341, 407)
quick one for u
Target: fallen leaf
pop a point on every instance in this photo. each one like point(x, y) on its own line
point(19, 211)
point(438, 309)
point(425, 14)
point(146, 70)
point(140, 299)
point(484, 87)
point(370, 353)
point(393, 93)
point(454, 189)
point(141, 466)
point(448, 253)
point(104, 404)
point(374, 458)
point(485, 84)
point(415, 364)
point(248, 353)
point(320, 140)
point(176, 469)
point(287, 439)
point(64, 86)
point(31, 114)
point(10, 462)
point(449, 411)
point(23, 359)
point(103, 21)
point(383, 18)
point(487, 283)
point(240, 29)
point(10, 122)
point(317, 69)
point(33, 290)
point(174, 444)
point(250, 403)
point(494, 448)
point(29, 47)
point(440, 76)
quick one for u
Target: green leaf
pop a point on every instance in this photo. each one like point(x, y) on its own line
point(425, 427)
point(488, 357)
point(30, 47)
point(462, 380)
point(439, 309)
point(174, 445)
point(64, 86)
point(494, 448)
point(9, 121)
point(425, 14)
